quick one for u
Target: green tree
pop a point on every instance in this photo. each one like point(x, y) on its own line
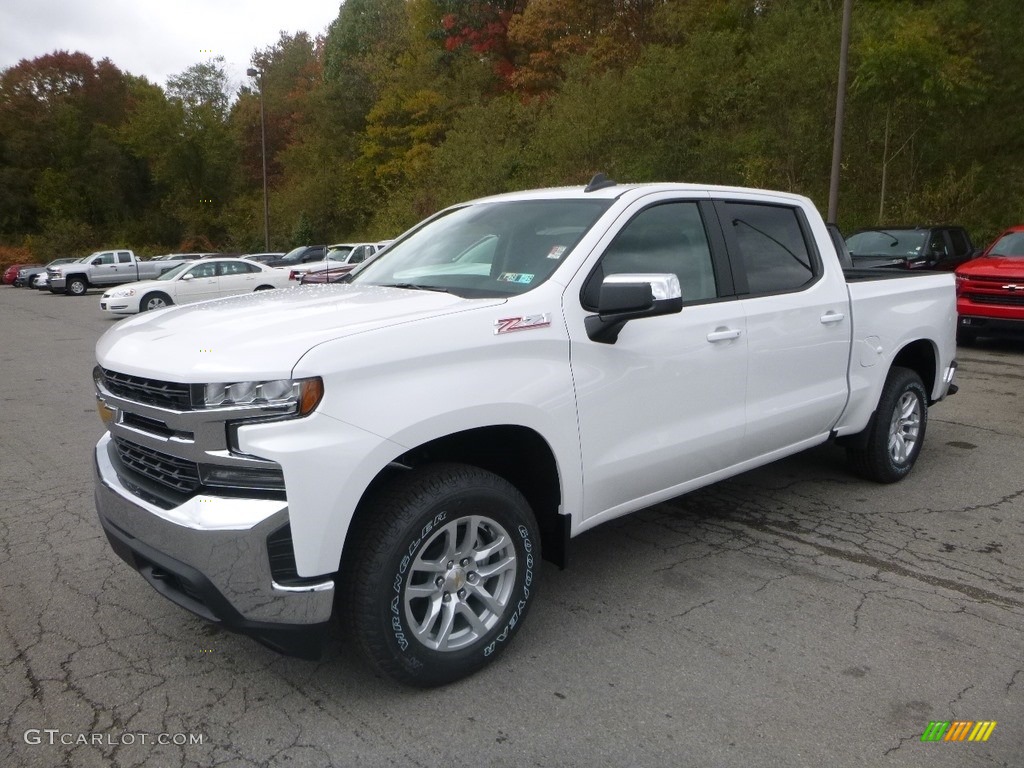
point(916, 73)
point(191, 151)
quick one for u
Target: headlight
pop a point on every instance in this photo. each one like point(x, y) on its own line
point(302, 394)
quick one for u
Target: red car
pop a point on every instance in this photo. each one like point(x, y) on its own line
point(11, 273)
point(990, 289)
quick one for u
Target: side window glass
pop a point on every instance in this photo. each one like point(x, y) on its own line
point(960, 245)
point(665, 238)
point(204, 270)
point(124, 257)
point(107, 258)
point(937, 246)
point(358, 254)
point(772, 246)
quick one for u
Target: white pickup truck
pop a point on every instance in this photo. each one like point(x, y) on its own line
point(509, 373)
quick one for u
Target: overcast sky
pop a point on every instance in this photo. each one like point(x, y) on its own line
point(156, 38)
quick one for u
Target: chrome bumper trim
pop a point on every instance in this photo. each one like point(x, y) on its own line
point(223, 539)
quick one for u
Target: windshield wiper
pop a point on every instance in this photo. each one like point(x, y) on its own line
point(415, 287)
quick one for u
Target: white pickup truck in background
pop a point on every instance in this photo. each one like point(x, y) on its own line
point(509, 373)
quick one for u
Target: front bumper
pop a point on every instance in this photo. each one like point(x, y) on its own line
point(210, 555)
point(987, 325)
point(119, 305)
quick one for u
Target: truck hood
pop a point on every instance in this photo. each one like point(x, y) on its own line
point(993, 266)
point(261, 335)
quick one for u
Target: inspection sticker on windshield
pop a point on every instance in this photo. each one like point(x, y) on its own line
point(556, 251)
point(523, 323)
point(515, 277)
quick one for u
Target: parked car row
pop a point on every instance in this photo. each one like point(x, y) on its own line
point(191, 282)
point(23, 275)
point(136, 285)
point(341, 258)
point(989, 283)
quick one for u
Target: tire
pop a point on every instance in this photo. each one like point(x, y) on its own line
point(76, 286)
point(440, 573)
point(892, 441)
point(154, 300)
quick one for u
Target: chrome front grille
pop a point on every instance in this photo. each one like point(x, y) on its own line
point(169, 471)
point(175, 449)
point(164, 394)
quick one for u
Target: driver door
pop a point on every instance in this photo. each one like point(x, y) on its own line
point(665, 404)
point(198, 283)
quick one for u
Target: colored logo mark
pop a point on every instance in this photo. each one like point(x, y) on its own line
point(958, 730)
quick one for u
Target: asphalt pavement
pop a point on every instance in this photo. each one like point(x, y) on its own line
point(793, 616)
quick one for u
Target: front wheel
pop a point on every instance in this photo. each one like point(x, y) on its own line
point(893, 438)
point(76, 286)
point(440, 573)
point(153, 301)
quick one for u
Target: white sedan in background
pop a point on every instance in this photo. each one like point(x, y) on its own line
point(191, 282)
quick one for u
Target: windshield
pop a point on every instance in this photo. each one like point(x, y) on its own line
point(1010, 245)
point(339, 254)
point(486, 250)
point(174, 272)
point(894, 243)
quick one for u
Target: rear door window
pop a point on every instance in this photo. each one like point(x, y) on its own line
point(771, 245)
point(961, 243)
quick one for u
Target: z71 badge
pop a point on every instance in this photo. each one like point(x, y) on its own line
point(524, 323)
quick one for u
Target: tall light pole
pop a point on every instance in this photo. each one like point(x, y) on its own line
point(263, 142)
point(837, 136)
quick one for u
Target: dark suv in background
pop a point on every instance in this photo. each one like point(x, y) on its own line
point(943, 248)
point(300, 255)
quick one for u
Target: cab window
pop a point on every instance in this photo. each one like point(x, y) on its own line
point(771, 245)
point(665, 238)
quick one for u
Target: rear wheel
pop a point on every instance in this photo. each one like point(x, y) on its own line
point(893, 439)
point(440, 573)
point(153, 301)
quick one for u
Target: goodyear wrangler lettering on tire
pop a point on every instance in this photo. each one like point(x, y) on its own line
point(522, 604)
point(442, 573)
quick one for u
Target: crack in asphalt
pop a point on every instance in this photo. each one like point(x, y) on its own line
point(975, 593)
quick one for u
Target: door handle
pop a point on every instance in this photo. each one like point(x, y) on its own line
point(832, 317)
point(724, 334)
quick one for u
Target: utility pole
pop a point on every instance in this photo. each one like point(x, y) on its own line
point(837, 136)
point(263, 142)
